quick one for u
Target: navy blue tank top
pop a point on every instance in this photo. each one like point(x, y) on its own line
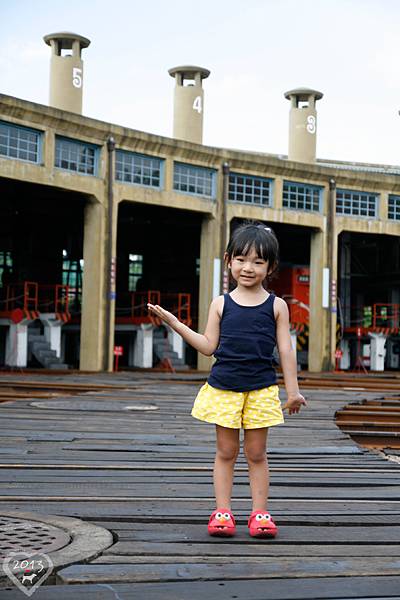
point(246, 343)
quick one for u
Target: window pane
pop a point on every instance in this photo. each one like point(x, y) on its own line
point(135, 168)
point(394, 207)
point(301, 196)
point(19, 142)
point(356, 203)
point(194, 180)
point(75, 156)
point(248, 189)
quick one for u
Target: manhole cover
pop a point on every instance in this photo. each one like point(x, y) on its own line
point(92, 405)
point(18, 535)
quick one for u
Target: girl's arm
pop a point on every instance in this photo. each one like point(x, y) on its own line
point(287, 357)
point(207, 343)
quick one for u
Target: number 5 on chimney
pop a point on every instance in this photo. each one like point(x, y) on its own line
point(77, 77)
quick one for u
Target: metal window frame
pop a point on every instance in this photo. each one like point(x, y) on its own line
point(345, 201)
point(253, 178)
point(307, 195)
point(394, 210)
point(199, 170)
point(78, 143)
point(39, 143)
point(132, 155)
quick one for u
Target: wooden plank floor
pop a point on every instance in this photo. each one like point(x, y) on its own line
point(146, 475)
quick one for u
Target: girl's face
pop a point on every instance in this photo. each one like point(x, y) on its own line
point(249, 270)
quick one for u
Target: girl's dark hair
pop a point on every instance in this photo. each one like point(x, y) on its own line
point(253, 234)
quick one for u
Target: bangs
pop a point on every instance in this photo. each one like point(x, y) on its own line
point(264, 246)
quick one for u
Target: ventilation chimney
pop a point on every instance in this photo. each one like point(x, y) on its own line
point(188, 103)
point(303, 124)
point(66, 70)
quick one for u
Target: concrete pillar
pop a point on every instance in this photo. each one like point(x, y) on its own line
point(278, 193)
point(319, 351)
point(93, 293)
point(169, 174)
point(113, 267)
point(17, 344)
point(188, 103)
point(209, 250)
point(49, 149)
point(378, 351)
point(303, 124)
point(143, 351)
point(52, 331)
point(383, 206)
point(176, 342)
point(66, 72)
point(332, 261)
point(334, 289)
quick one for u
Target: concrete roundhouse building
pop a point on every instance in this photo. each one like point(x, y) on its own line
point(97, 219)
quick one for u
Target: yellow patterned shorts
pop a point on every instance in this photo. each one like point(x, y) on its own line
point(250, 410)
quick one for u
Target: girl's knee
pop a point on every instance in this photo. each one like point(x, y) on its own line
point(228, 443)
point(228, 451)
point(255, 445)
point(255, 453)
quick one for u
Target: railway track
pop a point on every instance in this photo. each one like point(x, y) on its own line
point(350, 381)
point(372, 423)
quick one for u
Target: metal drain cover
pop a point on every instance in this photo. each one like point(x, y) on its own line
point(21, 535)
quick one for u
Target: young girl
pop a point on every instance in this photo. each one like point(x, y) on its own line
point(242, 329)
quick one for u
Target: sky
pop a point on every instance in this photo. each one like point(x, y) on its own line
point(255, 49)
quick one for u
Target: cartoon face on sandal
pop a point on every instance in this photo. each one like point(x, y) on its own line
point(222, 522)
point(260, 524)
point(222, 517)
point(263, 518)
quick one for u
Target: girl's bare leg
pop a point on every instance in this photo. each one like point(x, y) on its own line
point(228, 446)
point(255, 446)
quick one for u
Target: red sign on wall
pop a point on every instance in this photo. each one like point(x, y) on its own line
point(118, 351)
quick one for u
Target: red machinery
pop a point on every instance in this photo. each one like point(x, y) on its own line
point(293, 285)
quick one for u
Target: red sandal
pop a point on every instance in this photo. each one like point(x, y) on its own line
point(222, 523)
point(261, 525)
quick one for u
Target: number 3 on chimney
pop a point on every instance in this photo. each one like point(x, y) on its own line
point(77, 77)
point(197, 104)
point(311, 124)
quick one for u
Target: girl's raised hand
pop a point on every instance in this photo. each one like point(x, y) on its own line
point(163, 314)
point(294, 403)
